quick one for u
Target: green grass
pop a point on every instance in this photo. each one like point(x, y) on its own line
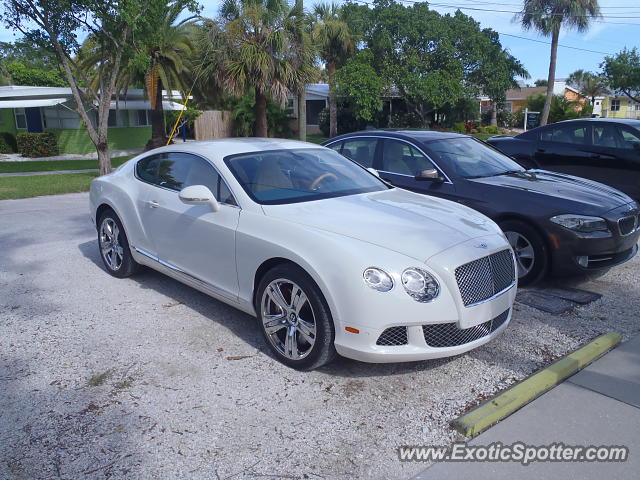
point(51, 165)
point(36, 185)
point(316, 138)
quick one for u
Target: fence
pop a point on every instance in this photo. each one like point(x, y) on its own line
point(213, 124)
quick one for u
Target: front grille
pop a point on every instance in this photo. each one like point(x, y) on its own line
point(449, 335)
point(483, 278)
point(628, 225)
point(393, 336)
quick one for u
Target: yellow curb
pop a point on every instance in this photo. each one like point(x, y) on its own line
point(492, 411)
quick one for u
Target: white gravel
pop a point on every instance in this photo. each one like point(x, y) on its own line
point(148, 378)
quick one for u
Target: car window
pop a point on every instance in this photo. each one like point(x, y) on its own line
point(574, 134)
point(147, 168)
point(336, 146)
point(630, 138)
point(360, 150)
point(400, 157)
point(607, 136)
point(180, 170)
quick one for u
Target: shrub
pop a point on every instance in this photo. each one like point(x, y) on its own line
point(406, 120)
point(492, 129)
point(473, 131)
point(35, 145)
point(7, 143)
point(459, 127)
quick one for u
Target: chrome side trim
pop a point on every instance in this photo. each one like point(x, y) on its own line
point(400, 140)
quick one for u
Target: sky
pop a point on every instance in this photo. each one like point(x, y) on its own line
point(619, 28)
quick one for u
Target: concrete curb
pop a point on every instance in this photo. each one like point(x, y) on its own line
point(501, 406)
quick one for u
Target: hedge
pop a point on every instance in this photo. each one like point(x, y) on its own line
point(7, 143)
point(34, 145)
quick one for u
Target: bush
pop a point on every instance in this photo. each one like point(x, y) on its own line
point(347, 121)
point(473, 131)
point(406, 120)
point(7, 143)
point(35, 145)
point(459, 127)
point(492, 129)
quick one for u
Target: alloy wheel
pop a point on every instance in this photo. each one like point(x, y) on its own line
point(523, 249)
point(110, 247)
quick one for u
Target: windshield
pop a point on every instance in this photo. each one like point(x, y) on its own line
point(470, 158)
point(287, 176)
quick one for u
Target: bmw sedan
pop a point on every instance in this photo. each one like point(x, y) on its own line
point(556, 223)
point(327, 256)
point(603, 149)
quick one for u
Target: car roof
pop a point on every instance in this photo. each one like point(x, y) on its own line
point(626, 121)
point(231, 146)
point(420, 135)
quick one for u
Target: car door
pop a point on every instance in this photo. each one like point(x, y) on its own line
point(401, 161)
point(361, 150)
point(146, 172)
point(618, 148)
point(191, 238)
point(565, 148)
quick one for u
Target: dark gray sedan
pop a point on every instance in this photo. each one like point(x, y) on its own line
point(557, 224)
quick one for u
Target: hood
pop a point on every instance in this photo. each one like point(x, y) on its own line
point(597, 197)
point(415, 225)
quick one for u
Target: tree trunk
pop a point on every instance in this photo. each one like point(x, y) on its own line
point(302, 115)
point(260, 128)
point(104, 159)
point(551, 80)
point(158, 134)
point(333, 104)
point(494, 114)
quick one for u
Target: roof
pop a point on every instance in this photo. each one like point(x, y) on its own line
point(232, 146)
point(524, 93)
point(626, 121)
point(420, 135)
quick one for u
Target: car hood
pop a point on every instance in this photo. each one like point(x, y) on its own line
point(597, 197)
point(411, 224)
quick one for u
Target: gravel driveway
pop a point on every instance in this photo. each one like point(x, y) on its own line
point(148, 378)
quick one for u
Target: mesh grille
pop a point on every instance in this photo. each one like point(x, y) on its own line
point(483, 278)
point(449, 335)
point(627, 225)
point(393, 336)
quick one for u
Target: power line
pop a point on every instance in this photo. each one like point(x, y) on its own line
point(549, 43)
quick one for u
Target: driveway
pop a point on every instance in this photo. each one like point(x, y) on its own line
point(146, 377)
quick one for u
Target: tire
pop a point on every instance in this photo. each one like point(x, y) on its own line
point(532, 254)
point(116, 257)
point(301, 332)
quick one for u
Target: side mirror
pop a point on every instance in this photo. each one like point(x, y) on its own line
point(431, 175)
point(374, 171)
point(199, 195)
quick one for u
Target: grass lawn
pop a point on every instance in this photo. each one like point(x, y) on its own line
point(316, 138)
point(36, 185)
point(51, 165)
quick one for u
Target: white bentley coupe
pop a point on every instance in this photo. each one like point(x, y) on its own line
point(327, 256)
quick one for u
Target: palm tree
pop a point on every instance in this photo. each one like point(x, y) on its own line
point(588, 83)
point(334, 41)
point(547, 17)
point(252, 48)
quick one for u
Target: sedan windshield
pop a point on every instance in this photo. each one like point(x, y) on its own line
point(470, 158)
point(288, 176)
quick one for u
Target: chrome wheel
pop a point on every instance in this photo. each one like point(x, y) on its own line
point(288, 319)
point(112, 251)
point(525, 255)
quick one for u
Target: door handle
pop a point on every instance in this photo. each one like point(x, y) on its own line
point(153, 204)
point(541, 150)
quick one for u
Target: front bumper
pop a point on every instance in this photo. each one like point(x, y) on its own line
point(472, 325)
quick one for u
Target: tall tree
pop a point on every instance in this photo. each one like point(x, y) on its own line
point(622, 73)
point(57, 24)
point(334, 41)
point(588, 84)
point(250, 48)
point(548, 17)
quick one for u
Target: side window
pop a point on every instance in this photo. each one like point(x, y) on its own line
point(607, 136)
point(630, 138)
point(565, 134)
point(361, 150)
point(147, 168)
point(402, 158)
point(336, 146)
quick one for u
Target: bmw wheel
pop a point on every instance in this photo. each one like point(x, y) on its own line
point(114, 246)
point(295, 318)
point(529, 249)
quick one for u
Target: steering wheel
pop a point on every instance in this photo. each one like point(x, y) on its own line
point(320, 179)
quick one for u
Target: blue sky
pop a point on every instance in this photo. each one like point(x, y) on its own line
point(608, 36)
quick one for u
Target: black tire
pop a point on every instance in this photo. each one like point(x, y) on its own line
point(540, 264)
point(128, 266)
point(322, 351)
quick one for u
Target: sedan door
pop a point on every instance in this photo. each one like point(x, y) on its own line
point(193, 239)
point(566, 148)
point(401, 161)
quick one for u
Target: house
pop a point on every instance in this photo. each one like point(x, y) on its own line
point(317, 99)
point(620, 107)
point(50, 109)
point(516, 98)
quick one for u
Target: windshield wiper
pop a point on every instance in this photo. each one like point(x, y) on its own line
point(507, 172)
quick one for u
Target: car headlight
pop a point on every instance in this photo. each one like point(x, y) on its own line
point(420, 285)
point(581, 223)
point(377, 279)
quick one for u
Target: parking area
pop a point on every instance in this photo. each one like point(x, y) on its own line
point(146, 377)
